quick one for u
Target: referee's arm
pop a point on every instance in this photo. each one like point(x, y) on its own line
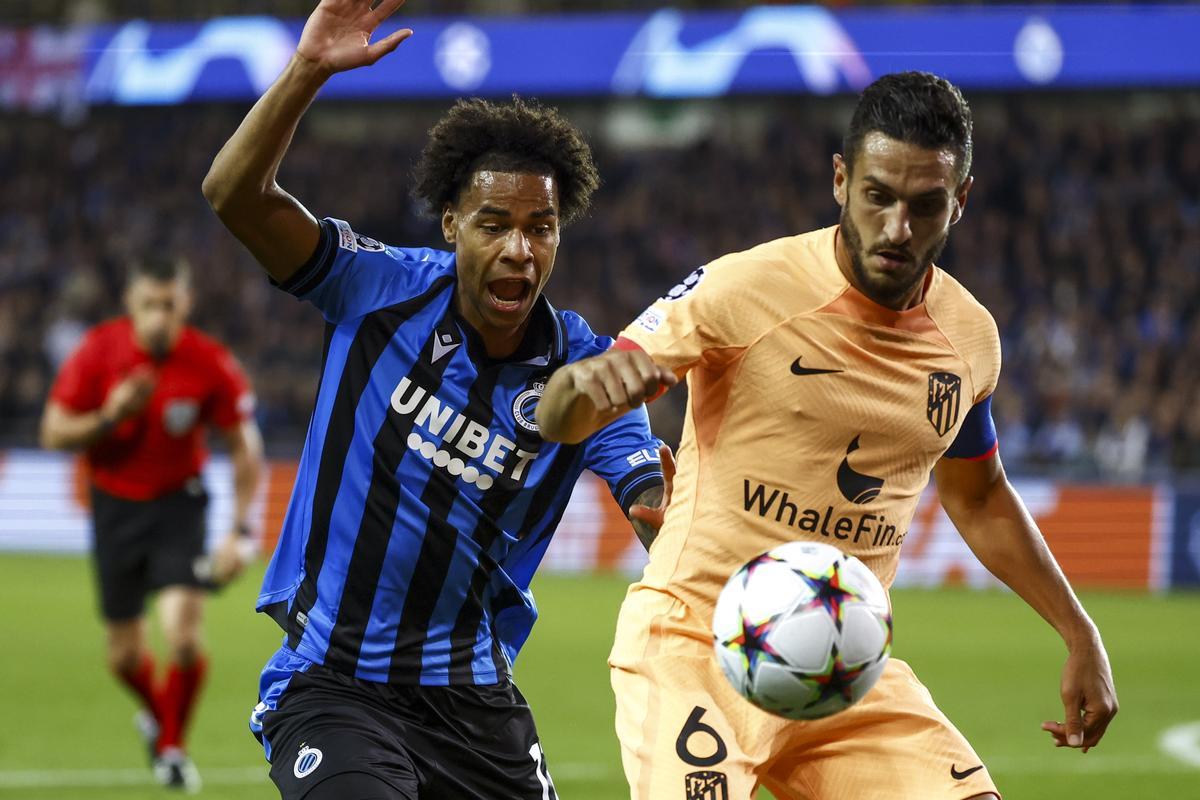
point(246, 454)
point(240, 546)
point(63, 428)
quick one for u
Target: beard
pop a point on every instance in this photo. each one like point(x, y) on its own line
point(887, 289)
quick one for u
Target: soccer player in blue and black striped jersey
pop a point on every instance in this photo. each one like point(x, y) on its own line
point(425, 496)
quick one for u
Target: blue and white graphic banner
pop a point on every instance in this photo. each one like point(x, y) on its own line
point(667, 53)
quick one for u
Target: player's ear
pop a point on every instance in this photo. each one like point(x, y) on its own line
point(449, 223)
point(841, 179)
point(960, 198)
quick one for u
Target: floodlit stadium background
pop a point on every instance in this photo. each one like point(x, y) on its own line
point(713, 127)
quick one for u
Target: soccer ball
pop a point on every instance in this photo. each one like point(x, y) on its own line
point(803, 630)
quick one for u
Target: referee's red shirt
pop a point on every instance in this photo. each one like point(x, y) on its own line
point(158, 450)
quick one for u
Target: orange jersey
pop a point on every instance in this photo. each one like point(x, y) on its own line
point(814, 413)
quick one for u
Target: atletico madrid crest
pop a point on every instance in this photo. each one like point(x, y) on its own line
point(705, 786)
point(945, 390)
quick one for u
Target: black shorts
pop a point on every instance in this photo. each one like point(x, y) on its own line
point(424, 742)
point(143, 545)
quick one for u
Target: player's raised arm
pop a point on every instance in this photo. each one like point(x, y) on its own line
point(240, 185)
point(583, 397)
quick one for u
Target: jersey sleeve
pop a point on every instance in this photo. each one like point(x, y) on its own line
point(988, 359)
point(232, 402)
point(625, 454)
point(976, 439)
point(79, 386)
point(350, 275)
point(709, 316)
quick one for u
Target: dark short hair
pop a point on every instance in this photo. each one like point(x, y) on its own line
point(159, 268)
point(519, 136)
point(917, 108)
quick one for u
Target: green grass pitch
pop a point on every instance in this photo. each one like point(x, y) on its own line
point(990, 662)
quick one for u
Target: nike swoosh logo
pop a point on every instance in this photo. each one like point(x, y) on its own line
point(958, 776)
point(799, 370)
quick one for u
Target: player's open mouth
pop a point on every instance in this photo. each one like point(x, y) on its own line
point(508, 294)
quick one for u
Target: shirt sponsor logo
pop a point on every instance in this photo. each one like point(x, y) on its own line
point(179, 416)
point(461, 446)
point(865, 529)
point(686, 286)
point(650, 320)
point(643, 456)
point(856, 487)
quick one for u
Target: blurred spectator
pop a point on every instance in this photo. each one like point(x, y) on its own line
point(1122, 443)
point(1082, 236)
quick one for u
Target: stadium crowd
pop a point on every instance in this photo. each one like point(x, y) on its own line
point(1082, 236)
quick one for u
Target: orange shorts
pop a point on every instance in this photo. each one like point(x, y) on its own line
point(686, 734)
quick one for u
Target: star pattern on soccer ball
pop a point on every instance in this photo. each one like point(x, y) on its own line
point(839, 681)
point(828, 593)
point(752, 641)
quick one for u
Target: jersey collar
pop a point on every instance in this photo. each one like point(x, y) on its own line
point(544, 345)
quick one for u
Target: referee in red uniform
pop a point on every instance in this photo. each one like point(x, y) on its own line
point(136, 397)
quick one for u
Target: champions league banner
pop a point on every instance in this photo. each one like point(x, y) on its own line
point(667, 53)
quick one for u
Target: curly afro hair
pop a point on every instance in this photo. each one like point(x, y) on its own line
point(520, 136)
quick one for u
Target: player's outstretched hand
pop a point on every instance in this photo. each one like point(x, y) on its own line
point(1089, 699)
point(653, 516)
point(619, 380)
point(337, 35)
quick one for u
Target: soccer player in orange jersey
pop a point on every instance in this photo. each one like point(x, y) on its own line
point(830, 373)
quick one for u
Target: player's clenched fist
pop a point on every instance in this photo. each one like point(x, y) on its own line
point(586, 395)
point(620, 379)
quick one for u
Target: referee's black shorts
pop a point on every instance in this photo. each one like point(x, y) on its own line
point(334, 737)
point(140, 546)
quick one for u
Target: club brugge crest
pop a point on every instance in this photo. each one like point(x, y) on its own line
point(705, 786)
point(525, 403)
point(945, 399)
point(307, 761)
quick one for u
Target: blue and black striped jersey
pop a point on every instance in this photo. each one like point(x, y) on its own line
point(425, 497)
